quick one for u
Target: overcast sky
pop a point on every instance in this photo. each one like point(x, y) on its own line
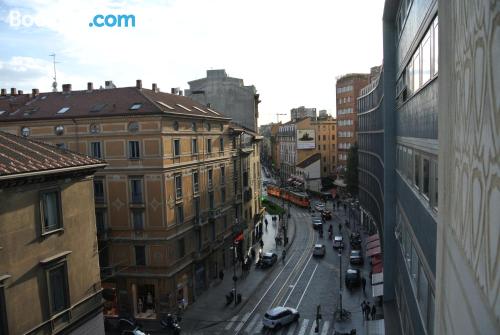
point(292, 51)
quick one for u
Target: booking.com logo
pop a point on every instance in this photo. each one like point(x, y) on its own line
point(112, 21)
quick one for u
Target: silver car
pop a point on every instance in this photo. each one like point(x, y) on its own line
point(279, 316)
point(319, 250)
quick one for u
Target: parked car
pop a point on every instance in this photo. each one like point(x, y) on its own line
point(338, 242)
point(326, 215)
point(317, 224)
point(268, 259)
point(356, 257)
point(352, 278)
point(279, 316)
point(319, 250)
point(355, 240)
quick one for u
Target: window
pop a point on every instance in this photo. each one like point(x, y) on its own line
point(181, 247)
point(138, 219)
point(436, 46)
point(426, 180)
point(177, 147)
point(25, 131)
point(59, 130)
point(223, 195)
point(193, 126)
point(179, 214)
point(426, 58)
point(222, 175)
point(234, 142)
point(63, 110)
point(208, 126)
point(221, 127)
point(435, 200)
point(100, 222)
point(133, 150)
point(178, 186)
point(221, 144)
point(94, 128)
point(235, 169)
point(197, 208)
point(209, 145)
point(210, 178)
point(196, 182)
point(140, 255)
point(135, 106)
point(176, 125)
point(50, 210)
point(416, 71)
point(194, 146)
point(417, 171)
point(133, 127)
point(136, 190)
point(57, 284)
point(211, 200)
point(95, 149)
point(99, 190)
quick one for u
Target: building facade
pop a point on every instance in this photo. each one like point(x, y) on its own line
point(467, 278)
point(49, 273)
point(348, 88)
point(411, 145)
point(326, 132)
point(371, 154)
point(309, 173)
point(224, 93)
point(302, 112)
point(179, 192)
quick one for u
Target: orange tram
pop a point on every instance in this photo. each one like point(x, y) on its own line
point(298, 198)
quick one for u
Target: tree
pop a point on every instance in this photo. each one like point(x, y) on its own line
point(351, 174)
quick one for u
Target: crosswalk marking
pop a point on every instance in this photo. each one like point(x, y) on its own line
point(326, 325)
point(252, 323)
point(292, 328)
point(311, 332)
point(303, 327)
point(230, 323)
point(242, 322)
point(257, 329)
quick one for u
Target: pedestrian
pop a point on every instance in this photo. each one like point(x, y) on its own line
point(221, 275)
point(261, 244)
point(363, 309)
point(367, 310)
point(374, 312)
point(363, 283)
point(283, 255)
point(265, 221)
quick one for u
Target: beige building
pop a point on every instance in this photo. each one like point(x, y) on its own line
point(326, 133)
point(180, 188)
point(49, 268)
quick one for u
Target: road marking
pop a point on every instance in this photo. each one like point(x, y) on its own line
point(230, 324)
point(326, 325)
point(307, 286)
point(296, 282)
point(311, 332)
point(257, 329)
point(292, 328)
point(303, 327)
point(252, 323)
point(242, 322)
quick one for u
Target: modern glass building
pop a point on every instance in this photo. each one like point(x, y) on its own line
point(411, 145)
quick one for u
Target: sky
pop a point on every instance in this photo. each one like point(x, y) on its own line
point(291, 51)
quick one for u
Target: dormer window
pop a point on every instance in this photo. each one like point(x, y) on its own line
point(59, 130)
point(135, 106)
point(176, 125)
point(133, 127)
point(25, 131)
point(63, 110)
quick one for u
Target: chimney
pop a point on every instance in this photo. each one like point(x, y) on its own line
point(138, 83)
point(20, 92)
point(90, 86)
point(155, 87)
point(180, 92)
point(4, 92)
point(13, 91)
point(175, 90)
point(35, 92)
point(66, 88)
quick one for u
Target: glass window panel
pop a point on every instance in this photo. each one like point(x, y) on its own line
point(140, 255)
point(436, 45)
point(426, 58)
point(416, 71)
point(417, 171)
point(426, 181)
point(58, 289)
point(50, 203)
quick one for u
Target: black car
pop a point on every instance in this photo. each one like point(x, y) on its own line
point(355, 240)
point(352, 278)
point(268, 259)
point(356, 257)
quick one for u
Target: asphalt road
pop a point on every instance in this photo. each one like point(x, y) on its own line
point(302, 282)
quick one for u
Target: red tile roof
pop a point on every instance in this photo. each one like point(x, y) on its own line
point(19, 155)
point(114, 102)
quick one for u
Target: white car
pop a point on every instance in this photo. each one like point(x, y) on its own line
point(319, 250)
point(279, 316)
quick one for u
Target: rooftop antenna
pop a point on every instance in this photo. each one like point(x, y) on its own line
point(54, 84)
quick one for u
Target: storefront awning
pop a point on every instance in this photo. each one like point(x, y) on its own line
point(373, 244)
point(377, 290)
point(373, 251)
point(372, 238)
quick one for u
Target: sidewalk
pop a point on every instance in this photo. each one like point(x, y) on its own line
point(210, 308)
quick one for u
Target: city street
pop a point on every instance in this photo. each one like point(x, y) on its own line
point(303, 282)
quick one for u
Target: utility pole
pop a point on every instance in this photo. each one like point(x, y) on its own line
point(318, 317)
point(341, 314)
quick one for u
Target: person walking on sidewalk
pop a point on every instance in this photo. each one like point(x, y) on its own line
point(363, 309)
point(221, 275)
point(283, 255)
point(373, 312)
point(367, 310)
point(363, 283)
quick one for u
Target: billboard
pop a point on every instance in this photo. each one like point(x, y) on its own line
point(305, 139)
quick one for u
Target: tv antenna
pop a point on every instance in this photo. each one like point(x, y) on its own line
point(54, 84)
